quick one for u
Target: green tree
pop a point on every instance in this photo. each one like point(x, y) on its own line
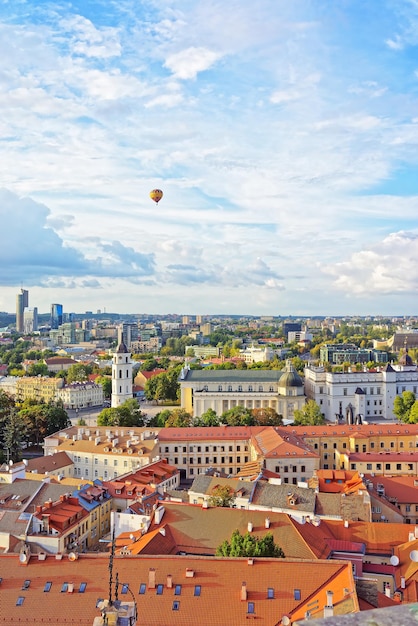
point(38, 369)
point(238, 416)
point(14, 434)
point(222, 495)
point(402, 405)
point(267, 417)
point(179, 418)
point(413, 414)
point(249, 545)
point(108, 417)
point(208, 418)
point(79, 372)
point(310, 415)
point(106, 383)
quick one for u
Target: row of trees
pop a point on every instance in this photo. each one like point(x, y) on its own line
point(237, 416)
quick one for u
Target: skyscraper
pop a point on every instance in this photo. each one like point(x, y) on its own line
point(30, 320)
point(56, 315)
point(22, 301)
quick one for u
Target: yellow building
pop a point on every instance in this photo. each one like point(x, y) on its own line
point(40, 388)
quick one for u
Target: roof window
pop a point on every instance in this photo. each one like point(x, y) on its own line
point(20, 601)
point(176, 605)
point(197, 590)
point(142, 588)
point(48, 586)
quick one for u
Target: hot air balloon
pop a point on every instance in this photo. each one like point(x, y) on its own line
point(156, 195)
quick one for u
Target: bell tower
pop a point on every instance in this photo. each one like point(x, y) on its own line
point(121, 376)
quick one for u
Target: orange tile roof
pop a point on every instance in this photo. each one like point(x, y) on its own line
point(220, 581)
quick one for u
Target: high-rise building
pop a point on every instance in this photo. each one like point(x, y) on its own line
point(56, 315)
point(30, 320)
point(22, 301)
point(128, 333)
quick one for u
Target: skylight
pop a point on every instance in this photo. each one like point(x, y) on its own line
point(48, 586)
point(20, 601)
point(197, 590)
point(82, 587)
point(142, 588)
point(177, 590)
point(176, 605)
point(296, 594)
point(125, 588)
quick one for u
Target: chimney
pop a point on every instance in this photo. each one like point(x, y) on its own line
point(244, 594)
point(151, 578)
point(403, 582)
point(387, 591)
point(70, 588)
point(189, 572)
point(267, 522)
point(169, 581)
point(250, 527)
point(329, 608)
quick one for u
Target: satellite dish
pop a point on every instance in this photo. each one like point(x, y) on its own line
point(413, 555)
point(394, 560)
point(285, 620)
point(23, 557)
point(72, 556)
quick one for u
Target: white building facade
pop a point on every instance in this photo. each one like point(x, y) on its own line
point(371, 394)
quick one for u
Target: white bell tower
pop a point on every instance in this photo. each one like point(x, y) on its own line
point(121, 376)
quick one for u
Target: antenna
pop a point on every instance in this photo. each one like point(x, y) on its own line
point(112, 554)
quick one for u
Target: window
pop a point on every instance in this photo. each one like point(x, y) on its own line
point(125, 588)
point(26, 584)
point(251, 608)
point(160, 590)
point(82, 587)
point(197, 590)
point(398, 466)
point(48, 586)
point(99, 601)
point(64, 587)
point(378, 466)
point(270, 593)
point(369, 466)
point(219, 387)
point(325, 446)
point(296, 594)
point(177, 590)
point(176, 605)
point(345, 391)
point(353, 466)
point(387, 466)
point(142, 588)
point(20, 601)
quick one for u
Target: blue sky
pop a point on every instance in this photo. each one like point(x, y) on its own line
point(284, 139)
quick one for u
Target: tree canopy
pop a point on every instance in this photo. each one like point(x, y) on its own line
point(249, 545)
point(309, 415)
point(222, 495)
point(403, 404)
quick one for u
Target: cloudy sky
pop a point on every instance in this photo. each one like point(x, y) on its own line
point(283, 133)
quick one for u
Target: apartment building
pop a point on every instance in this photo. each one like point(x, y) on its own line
point(40, 388)
point(105, 453)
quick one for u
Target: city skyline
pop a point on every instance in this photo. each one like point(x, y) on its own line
point(284, 140)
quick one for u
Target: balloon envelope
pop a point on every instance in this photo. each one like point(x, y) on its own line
point(156, 195)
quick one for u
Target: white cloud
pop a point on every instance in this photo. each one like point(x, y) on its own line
point(388, 267)
point(187, 63)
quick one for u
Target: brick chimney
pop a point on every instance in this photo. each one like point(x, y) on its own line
point(244, 594)
point(151, 578)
